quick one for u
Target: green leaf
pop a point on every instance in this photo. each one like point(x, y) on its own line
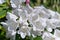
point(38, 38)
point(0, 27)
point(2, 13)
point(4, 8)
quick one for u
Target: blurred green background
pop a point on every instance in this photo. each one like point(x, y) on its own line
point(50, 4)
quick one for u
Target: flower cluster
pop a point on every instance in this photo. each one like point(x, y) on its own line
point(27, 21)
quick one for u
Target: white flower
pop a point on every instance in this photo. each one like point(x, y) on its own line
point(2, 1)
point(53, 23)
point(11, 16)
point(10, 28)
point(57, 33)
point(33, 17)
point(40, 18)
point(13, 5)
point(9, 32)
point(17, 2)
point(12, 21)
point(42, 11)
point(44, 14)
point(54, 14)
point(47, 36)
point(11, 35)
point(28, 8)
point(20, 13)
point(12, 25)
point(24, 30)
point(35, 33)
point(49, 29)
point(39, 24)
point(15, 12)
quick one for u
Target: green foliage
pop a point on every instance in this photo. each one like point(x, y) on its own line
point(2, 13)
point(38, 38)
point(4, 8)
point(50, 4)
point(3, 34)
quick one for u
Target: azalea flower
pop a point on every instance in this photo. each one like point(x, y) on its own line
point(12, 24)
point(39, 24)
point(40, 18)
point(11, 16)
point(33, 17)
point(47, 36)
point(16, 3)
point(35, 33)
point(53, 23)
point(54, 15)
point(21, 13)
point(42, 11)
point(24, 31)
point(9, 32)
point(57, 34)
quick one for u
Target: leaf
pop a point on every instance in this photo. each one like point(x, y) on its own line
point(0, 27)
point(38, 38)
point(4, 8)
point(2, 13)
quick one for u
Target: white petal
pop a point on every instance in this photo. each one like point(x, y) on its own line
point(33, 17)
point(11, 16)
point(57, 38)
point(13, 33)
point(25, 23)
point(38, 25)
point(48, 36)
point(22, 13)
point(34, 28)
point(33, 35)
point(13, 5)
point(5, 25)
point(15, 12)
point(22, 35)
point(17, 2)
point(57, 33)
point(12, 24)
point(49, 29)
